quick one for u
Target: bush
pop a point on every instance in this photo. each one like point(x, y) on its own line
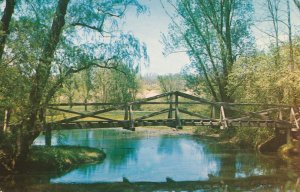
point(252, 137)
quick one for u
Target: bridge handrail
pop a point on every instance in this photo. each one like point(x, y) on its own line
point(196, 100)
point(167, 103)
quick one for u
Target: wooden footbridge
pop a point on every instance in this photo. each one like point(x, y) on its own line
point(176, 109)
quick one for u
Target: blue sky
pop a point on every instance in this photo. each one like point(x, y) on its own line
point(148, 28)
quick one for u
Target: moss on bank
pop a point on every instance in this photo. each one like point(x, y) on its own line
point(60, 158)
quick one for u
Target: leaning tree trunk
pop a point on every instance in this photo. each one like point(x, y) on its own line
point(5, 21)
point(31, 127)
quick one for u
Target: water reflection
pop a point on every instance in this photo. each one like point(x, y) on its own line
point(139, 157)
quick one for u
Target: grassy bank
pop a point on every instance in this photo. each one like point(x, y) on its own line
point(60, 158)
point(242, 137)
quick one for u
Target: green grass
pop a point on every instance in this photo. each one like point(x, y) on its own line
point(60, 158)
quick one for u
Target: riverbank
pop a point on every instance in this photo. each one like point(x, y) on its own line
point(154, 131)
point(58, 159)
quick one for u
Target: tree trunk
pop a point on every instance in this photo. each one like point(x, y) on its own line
point(291, 48)
point(31, 127)
point(5, 21)
point(297, 2)
point(291, 52)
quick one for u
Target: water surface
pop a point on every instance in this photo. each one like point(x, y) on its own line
point(148, 161)
point(145, 157)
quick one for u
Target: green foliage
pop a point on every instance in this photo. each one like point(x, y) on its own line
point(250, 137)
point(48, 43)
point(214, 33)
point(258, 79)
point(170, 82)
point(101, 85)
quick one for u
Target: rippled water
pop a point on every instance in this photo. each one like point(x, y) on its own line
point(147, 161)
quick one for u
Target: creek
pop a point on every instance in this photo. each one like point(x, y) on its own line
point(146, 158)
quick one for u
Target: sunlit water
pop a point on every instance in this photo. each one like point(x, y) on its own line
point(146, 157)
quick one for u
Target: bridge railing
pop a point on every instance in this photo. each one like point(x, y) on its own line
point(175, 109)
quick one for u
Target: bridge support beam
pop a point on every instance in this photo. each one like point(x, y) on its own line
point(213, 112)
point(126, 113)
point(131, 119)
point(177, 115)
point(170, 114)
point(223, 118)
point(48, 135)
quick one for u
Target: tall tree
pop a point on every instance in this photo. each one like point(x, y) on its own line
point(50, 41)
point(30, 128)
point(215, 33)
point(5, 22)
point(291, 46)
point(273, 10)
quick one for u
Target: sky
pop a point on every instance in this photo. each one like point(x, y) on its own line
point(149, 26)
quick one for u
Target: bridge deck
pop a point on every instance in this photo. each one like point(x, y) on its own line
point(167, 122)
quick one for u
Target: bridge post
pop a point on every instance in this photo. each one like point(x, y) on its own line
point(280, 115)
point(288, 131)
point(126, 112)
point(48, 135)
point(223, 118)
point(85, 104)
point(6, 121)
point(170, 115)
point(177, 116)
point(131, 118)
point(213, 112)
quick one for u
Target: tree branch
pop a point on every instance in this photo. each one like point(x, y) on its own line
point(297, 2)
point(112, 14)
point(98, 29)
point(106, 65)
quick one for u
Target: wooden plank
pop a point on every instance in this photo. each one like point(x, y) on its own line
point(250, 104)
point(177, 114)
point(213, 112)
point(169, 122)
point(87, 115)
point(192, 114)
point(5, 123)
point(280, 114)
point(150, 98)
point(140, 102)
point(191, 97)
point(85, 105)
point(126, 113)
point(257, 114)
point(223, 117)
point(294, 118)
point(78, 113)
point(131, 118)
point(170, 115)
point(168, 103)
point(153, 114)
point(82, 104)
